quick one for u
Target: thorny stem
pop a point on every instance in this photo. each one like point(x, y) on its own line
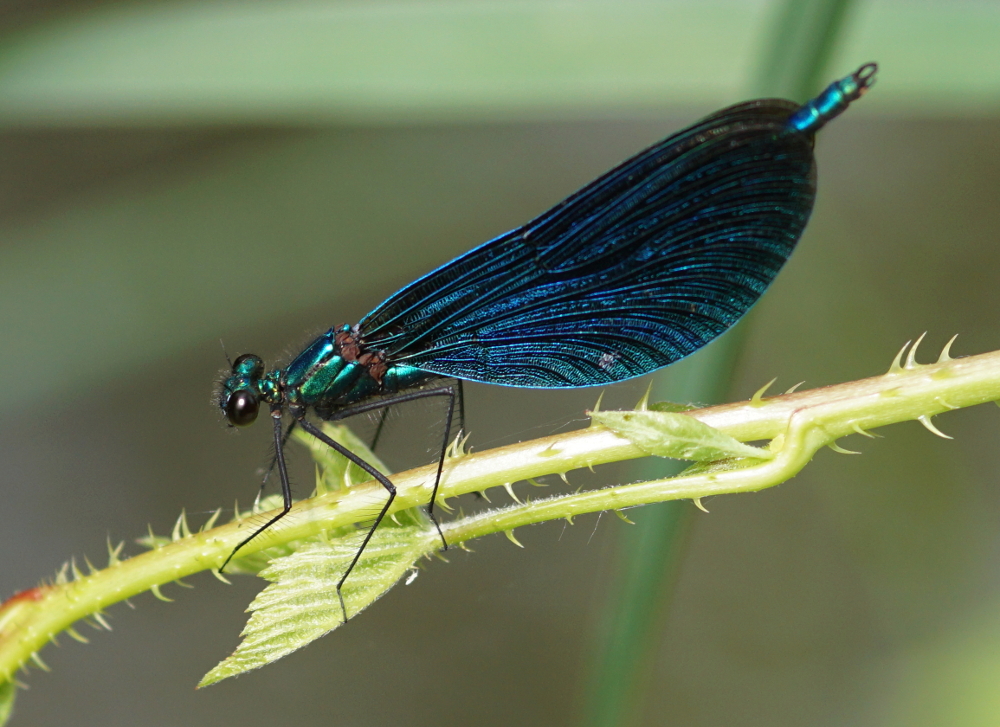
point(797, 424)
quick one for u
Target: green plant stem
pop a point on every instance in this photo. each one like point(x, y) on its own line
point(800, 43)
point(797, 425)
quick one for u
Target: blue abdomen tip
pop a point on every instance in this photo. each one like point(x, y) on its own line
point(811, 117)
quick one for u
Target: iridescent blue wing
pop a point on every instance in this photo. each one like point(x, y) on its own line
point(638, 269)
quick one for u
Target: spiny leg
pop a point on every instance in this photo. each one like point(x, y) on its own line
point(281, 438)
point(453, 393)
point(378, 429)
point(385, 415)
point(274, 459)
point(382, 479)
point(286, 488)
point(460, 390)
point(460, 396)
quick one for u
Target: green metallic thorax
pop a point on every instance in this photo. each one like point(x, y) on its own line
point(333, 371)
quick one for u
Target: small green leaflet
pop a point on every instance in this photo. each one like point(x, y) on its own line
point(719, 466)
point(670, 406)
point(301, 603)
point(678, 436)
point(335, 470)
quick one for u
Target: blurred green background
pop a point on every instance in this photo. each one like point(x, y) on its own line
point(173, 173)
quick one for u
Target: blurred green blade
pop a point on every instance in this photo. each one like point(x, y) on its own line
point(804, 36)
point(319, 62)
point(934, 57)
point(7, 694)
point(803, 30)
point(322, 61)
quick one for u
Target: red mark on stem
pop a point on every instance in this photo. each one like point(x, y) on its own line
point(31, 594)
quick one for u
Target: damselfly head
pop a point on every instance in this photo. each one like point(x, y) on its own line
point(238, 394)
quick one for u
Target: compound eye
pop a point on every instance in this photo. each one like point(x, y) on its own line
point(241, 409)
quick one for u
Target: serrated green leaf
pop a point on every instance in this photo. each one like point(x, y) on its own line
point(669, 434)
point(301, 603)
point(7, 692)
